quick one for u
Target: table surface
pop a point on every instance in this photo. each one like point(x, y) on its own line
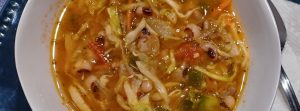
point(13, 99)
point(290, 13)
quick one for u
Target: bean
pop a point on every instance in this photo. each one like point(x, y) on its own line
point(146, 86)
point(156, 97)
point(147, 11)
point(229, 101)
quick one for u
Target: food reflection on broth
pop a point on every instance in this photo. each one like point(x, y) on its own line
point(149, 55)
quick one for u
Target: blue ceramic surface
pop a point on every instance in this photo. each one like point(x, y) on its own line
point(11, 95)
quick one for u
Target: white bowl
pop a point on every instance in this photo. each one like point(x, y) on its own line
point(33, 54)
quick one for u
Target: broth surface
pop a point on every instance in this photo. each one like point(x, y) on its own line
point(149, 55)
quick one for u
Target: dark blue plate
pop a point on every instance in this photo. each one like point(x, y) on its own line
point(11, 95)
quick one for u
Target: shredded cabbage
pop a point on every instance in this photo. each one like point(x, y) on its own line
point(78, 99)
point(195, 29)
point(142, 107)
point(176, 92)
point(122, 102)
point(176, 8)
point(132, 6)
point(151, 30)
point(131, 36)
point(217, 76)
point(119, 84)
point(136, 105)
point(158, 85)
point(95, 5)
point(172, 67)
point(114, 20)
point(111, 36)
point(135, 84)
point(145, 99)
point(131, 95)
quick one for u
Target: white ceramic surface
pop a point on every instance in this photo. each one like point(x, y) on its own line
point(33, 54)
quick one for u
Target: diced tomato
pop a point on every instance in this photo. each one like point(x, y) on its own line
point(98, 51)
point(189, 52)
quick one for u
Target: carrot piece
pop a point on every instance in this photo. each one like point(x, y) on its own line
point(216, 11)
point(98, 50)
point(129, 18)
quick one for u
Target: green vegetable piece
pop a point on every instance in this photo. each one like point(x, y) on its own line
point(208, 103)
point(132, 60)
point(187, 105)
point(114, 20)
point(194, 78)
point(160, 108)
point(142, 107)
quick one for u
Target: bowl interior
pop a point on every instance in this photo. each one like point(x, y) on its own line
point(33, 54)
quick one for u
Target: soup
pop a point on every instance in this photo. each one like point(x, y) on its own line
point(149, 55)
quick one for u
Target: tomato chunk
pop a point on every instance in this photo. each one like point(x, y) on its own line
point(190, 52)
point(98, 50)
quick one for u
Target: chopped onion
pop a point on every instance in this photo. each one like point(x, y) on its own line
point(149, 45)
point(161, 27)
